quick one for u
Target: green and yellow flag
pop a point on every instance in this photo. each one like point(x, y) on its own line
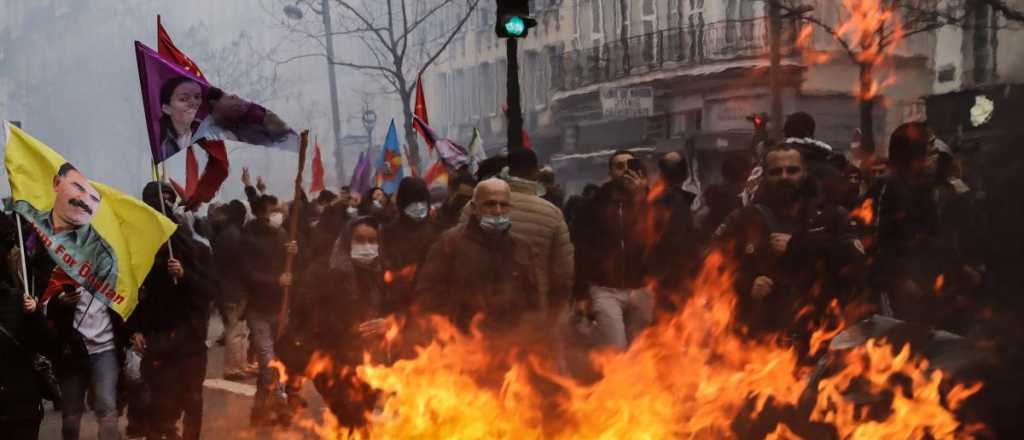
point(102, 238)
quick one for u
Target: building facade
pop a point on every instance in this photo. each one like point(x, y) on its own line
point(656, 75)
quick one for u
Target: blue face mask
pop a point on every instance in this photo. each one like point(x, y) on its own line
point(497, 223)
point(417, 211)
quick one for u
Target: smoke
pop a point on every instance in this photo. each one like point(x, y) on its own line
point(68, 73)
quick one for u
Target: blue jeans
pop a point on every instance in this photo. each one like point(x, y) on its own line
point(101, 373)
point(262, 327)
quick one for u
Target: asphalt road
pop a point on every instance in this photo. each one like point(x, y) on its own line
point(226, 407)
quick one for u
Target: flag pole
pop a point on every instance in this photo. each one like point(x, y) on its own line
point(21, 249)
point(293, 230)
point(163, 210)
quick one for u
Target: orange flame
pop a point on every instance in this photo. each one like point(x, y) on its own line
point(872, 31)
point(407, 273)
point(939, 282)
point(865, 213)
point(689, 376)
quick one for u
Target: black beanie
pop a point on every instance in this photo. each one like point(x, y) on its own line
point(412, 190)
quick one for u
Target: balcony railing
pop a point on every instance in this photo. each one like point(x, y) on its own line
point(666, 49)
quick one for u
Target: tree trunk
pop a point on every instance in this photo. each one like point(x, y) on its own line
point(866, 99)
point(410, 133)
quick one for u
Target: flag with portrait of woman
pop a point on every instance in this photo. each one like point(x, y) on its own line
point(183, 109)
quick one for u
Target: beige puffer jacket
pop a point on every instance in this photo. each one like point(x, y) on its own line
point(543, 226)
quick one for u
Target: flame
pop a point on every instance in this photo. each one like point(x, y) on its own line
point(939, 282)
point(873, 31)
point(693, 375)
point(407, 273)
point(865, 213)
point(915, 413)
point(282, 372)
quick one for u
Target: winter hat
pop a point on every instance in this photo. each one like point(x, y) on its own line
point(412, 190)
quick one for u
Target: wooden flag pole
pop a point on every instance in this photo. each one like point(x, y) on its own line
point(21, 247)
point(293, 230)
point(163, 210)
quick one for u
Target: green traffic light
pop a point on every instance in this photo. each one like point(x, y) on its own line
point(515, 26)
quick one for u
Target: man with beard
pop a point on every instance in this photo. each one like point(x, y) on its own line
point(611, 244)
point(169, 327)
point(785, 243)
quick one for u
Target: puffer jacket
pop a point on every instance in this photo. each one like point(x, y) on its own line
point(543, 226)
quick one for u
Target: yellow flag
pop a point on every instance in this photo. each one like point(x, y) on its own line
point(102, 238)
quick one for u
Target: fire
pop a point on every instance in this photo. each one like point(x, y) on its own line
point(865, 212)
point(406, 273)
point(916, 412)
point(939, 282)
point(870, 31)
point(694, 375)
point(873, 31)
point(282, 372)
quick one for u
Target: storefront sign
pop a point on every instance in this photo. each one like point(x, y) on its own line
point(625, 103)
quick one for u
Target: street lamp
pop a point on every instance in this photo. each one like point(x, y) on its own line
point(294, 12)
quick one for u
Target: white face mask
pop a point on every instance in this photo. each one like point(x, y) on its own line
point(377, 204)
point(364, 253)
point(276, 219)
point(352, 211)
point(417, 211)
point(497, 223)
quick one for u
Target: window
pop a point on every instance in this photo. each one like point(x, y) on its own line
point(595, 20)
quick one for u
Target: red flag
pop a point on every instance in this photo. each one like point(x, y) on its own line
point(191, 172)
point(199, 187)
point(167, 49)
point(421, 102)
point(317, 184)
point(420, 113)
point(214, 173)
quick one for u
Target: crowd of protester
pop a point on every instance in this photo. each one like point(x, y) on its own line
point(804, 225)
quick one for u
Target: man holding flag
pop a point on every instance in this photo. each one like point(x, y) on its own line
point(92, 273)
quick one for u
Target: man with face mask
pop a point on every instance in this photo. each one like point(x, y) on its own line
point(407, 239)
point(785, 242)
point(481, 266)
point(265, 245)
point(543, 226)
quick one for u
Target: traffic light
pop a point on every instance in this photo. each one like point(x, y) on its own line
point(759, 120)
point(514, 19)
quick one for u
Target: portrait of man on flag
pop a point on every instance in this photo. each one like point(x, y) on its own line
point(84, 225)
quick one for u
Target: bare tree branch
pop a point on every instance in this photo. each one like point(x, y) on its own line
point(1002, 7)
point(451, 36)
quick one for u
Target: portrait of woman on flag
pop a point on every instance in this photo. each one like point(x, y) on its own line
point(180, 99)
